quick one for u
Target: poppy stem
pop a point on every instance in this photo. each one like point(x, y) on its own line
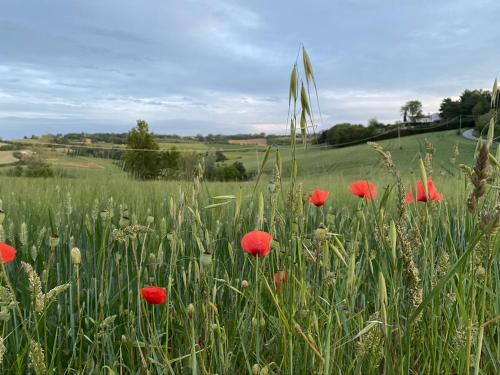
point(18, 309)
point(257, 315)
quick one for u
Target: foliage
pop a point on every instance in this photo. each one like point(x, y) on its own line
point(468, 108)
point(32, 167)
point(412, 110)
point(141, 160)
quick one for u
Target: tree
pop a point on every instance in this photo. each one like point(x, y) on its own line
point(449, 109)
point(144, 165)
point(413, 110)
point(169, 163)
point(471, 105)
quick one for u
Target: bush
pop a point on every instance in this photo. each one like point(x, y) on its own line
point(33, 167)
point(233, 172)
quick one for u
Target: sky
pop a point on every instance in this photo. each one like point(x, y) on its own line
point(219, 66)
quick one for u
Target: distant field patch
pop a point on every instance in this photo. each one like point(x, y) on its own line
point(249, 142)
point(6, 157)
point(80, 164)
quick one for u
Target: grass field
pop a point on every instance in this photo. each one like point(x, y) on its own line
point(382, 287)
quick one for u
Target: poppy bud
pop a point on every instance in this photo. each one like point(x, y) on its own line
point(264, 371)
point(124, 221)
point(190, 309)
point(76, 256)
point(254, 322)
point(2, 216)
point(152, 259)
point(262, 322)
point(54, 241)
point(256, 369)
point(205, 259)
point(320, 234)
point(244, 284)
point(104, 214)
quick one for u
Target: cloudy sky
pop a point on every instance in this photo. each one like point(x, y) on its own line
point(222, 66)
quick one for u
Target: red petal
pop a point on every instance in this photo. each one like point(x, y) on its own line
point(257, 243)
point(364, 189)
point(8, 253)
point(154, 295)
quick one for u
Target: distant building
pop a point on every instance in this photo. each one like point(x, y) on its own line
point(430, 117)
point(87, 141)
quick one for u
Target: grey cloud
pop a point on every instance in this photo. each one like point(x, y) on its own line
point(223, 65)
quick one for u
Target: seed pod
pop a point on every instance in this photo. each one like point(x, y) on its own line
point(244, 284)
point(163, 227)
point(76, 256)
point(34, 253)
point(54, 241)
point(190, 309)
point(423, 176)
point(256, 369)
point(382, 289)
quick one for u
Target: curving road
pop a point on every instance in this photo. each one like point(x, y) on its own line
point(469, 134)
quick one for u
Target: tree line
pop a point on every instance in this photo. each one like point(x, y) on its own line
point(471, 109)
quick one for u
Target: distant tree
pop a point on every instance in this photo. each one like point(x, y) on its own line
point(413, 110)
point(347, 133)
point(404, 112)
point(142, 161)
point(468, 109)
point(449, 109)
point(169, 163)
point(374, 123)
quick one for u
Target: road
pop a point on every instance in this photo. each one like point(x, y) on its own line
point(469, 134)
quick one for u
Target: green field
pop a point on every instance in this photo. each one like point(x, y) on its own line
point(377, 291)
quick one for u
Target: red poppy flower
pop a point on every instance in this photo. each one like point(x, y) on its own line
point(154, 295)
point(409, 197)
point(257, 243)
point(364, 189)
point(421, 197)
point(279, 278)
point(8, 253)
point(318, 198)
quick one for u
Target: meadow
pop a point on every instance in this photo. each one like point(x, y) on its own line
point(352, 286)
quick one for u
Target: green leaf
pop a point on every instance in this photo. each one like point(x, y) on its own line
point(440, 285)
point(263, 164)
